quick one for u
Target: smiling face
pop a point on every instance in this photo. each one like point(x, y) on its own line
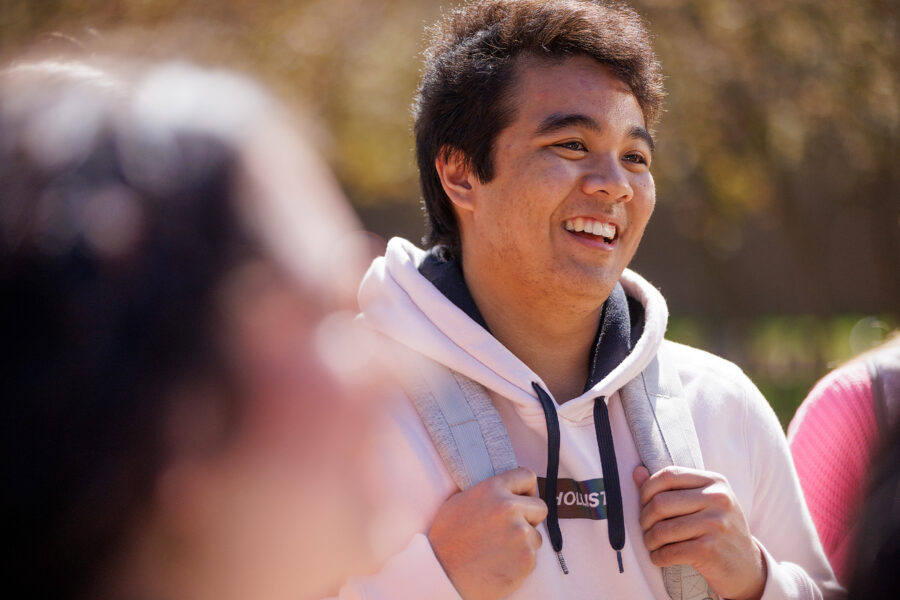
point(572, 190)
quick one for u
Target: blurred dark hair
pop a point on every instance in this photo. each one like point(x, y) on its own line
point(470, 67)
point(117, 230)
point(877, 545)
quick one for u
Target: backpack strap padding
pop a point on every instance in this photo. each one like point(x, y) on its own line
point(663, 431)
point(462, 421)
point(660, 420)
point(473, 443)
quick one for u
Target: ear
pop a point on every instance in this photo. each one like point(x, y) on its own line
point(457, 178)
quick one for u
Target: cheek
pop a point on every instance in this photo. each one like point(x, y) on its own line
point(292, 512)
point(532, 195)
point(644, 200)
point(516, 225)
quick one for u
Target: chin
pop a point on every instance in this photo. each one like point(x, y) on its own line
point(592, 286)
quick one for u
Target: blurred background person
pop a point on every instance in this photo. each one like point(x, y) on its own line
point(837, 437)
point(182, 387)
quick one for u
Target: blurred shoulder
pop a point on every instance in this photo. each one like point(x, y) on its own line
point(739, 434)
point(699, 366)
point(719, 392)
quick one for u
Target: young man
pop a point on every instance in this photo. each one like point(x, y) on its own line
point(533, 136)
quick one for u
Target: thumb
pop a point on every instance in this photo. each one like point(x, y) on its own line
point(641, 474)
point(519, 481)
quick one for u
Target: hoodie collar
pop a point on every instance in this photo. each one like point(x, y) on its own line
point(447, 276)
point(621, 319)
point(396, 300)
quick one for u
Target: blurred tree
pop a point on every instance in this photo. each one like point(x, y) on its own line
point(352, 64)
point(777, 157)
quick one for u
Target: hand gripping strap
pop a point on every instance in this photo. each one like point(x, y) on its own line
point(664, 434)
point(463, 424)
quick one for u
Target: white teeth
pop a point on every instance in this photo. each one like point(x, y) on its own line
point(607, 230)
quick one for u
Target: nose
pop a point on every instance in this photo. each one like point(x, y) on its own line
point(608, 179)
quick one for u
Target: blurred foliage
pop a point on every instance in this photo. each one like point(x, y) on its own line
point(756, 90)
point(351, 65)
point(785, 355)
point(782, 125)
point(776, 162)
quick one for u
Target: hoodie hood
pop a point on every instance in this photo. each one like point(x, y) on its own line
point(399, 302)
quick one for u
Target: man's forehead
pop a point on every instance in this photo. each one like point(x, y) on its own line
point(530, 69)
point(584, 91)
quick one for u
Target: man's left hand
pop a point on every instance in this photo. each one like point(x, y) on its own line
point(692, 517)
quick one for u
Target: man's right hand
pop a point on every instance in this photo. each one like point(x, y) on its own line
point(485, 537)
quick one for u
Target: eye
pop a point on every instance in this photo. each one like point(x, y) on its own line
point(573, 145)
point(636, 158)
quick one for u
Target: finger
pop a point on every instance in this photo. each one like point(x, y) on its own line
point(535, 539)
point(679, 529)
point(674, 478)
point(640, 475)
point(690, 552)
point(533, 510)
point(519, 481)
point(672, 504)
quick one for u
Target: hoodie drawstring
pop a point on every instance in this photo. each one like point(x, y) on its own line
point(552, 473)
point(612, 490)
point(614, 517)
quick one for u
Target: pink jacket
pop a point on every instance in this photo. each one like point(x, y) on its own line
point(832, 437)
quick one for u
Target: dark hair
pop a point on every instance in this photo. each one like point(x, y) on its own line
point(470, 68)
point(115, 236)
point(877, 543)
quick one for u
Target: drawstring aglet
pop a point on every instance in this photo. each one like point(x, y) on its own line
point(562, 562)
point(619, 556)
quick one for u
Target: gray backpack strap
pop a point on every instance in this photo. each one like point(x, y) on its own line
point(663, 431)
point(461, 419)
point(884, 370)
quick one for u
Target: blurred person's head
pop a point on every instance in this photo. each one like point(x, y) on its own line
point(176, 367)
point(474, 62)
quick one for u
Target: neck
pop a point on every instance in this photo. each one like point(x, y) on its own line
point(552, 335)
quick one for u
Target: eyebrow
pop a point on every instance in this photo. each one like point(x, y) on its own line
point(639, 133)
point(557, 121)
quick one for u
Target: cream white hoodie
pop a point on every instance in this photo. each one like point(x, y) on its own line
point(739, 435)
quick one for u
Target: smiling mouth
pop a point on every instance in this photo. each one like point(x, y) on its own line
point(592, 228)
